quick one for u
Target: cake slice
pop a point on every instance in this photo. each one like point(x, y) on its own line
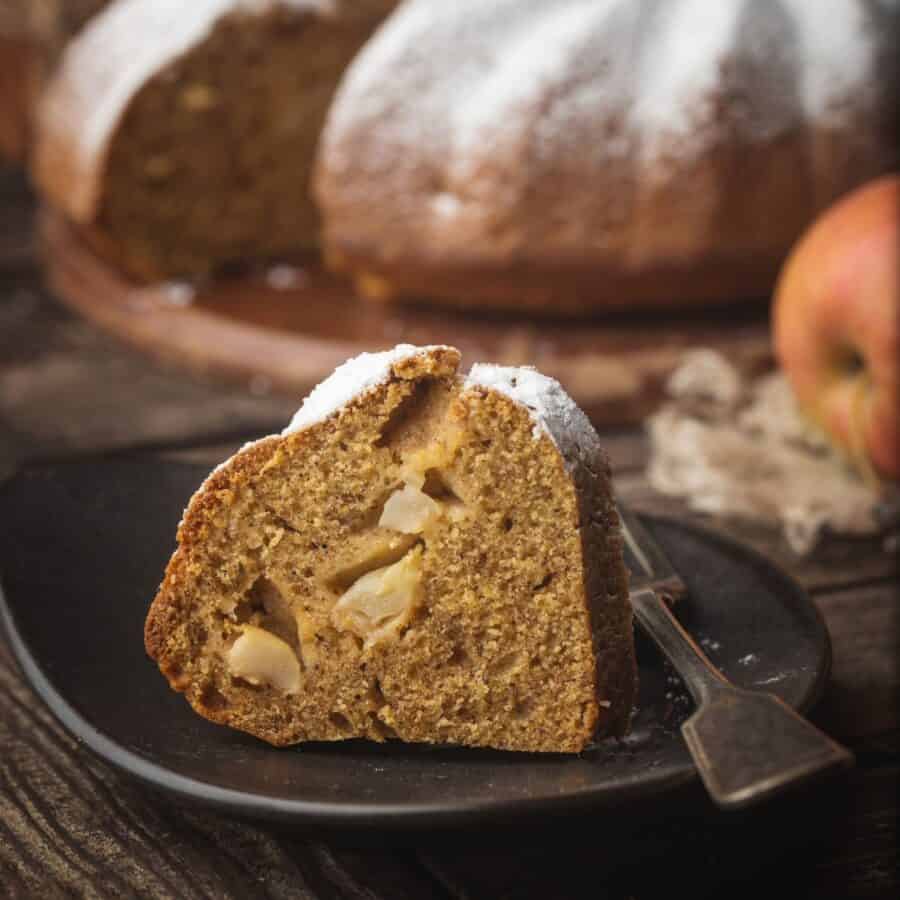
point(419, 555)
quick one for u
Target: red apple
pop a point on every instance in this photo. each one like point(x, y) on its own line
point(836, 324)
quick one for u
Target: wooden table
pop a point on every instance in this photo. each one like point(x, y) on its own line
point(71, 826)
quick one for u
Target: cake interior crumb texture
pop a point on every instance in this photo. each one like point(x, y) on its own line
point(420, 563)
point(180, 137)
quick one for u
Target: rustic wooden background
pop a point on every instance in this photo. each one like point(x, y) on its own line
point(72, 827)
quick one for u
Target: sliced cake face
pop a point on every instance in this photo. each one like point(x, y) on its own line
point(419, 562)
point(182, 135)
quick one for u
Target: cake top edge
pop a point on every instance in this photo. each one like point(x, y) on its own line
point(553, 411)
point(352, 378)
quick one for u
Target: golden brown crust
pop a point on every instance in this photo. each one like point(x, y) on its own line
point(201, 510)
point(692, 241)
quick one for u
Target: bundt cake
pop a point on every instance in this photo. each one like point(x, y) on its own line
point(419, 555)
point(179, 136)
point(566, 155)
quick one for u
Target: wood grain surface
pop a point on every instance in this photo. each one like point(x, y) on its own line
point(70, 826)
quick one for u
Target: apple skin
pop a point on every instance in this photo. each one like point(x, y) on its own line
point(836, 324)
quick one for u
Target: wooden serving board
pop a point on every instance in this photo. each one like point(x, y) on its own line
point(290, 327)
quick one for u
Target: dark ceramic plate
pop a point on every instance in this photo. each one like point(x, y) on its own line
point(83, 549)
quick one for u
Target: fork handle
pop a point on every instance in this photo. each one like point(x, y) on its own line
point(746, 745)
point(702, 678)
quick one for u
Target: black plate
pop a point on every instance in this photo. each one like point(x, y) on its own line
point(83, 551)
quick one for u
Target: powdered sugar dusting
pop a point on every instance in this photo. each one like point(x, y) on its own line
point(515, 81)
point(689, 42)
point(348, 381)
point(837, 51)
point(516, 61)
point(554, 412)
point(449, 147)
point(416, 105)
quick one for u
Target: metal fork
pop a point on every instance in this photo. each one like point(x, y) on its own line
point(746, 745)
